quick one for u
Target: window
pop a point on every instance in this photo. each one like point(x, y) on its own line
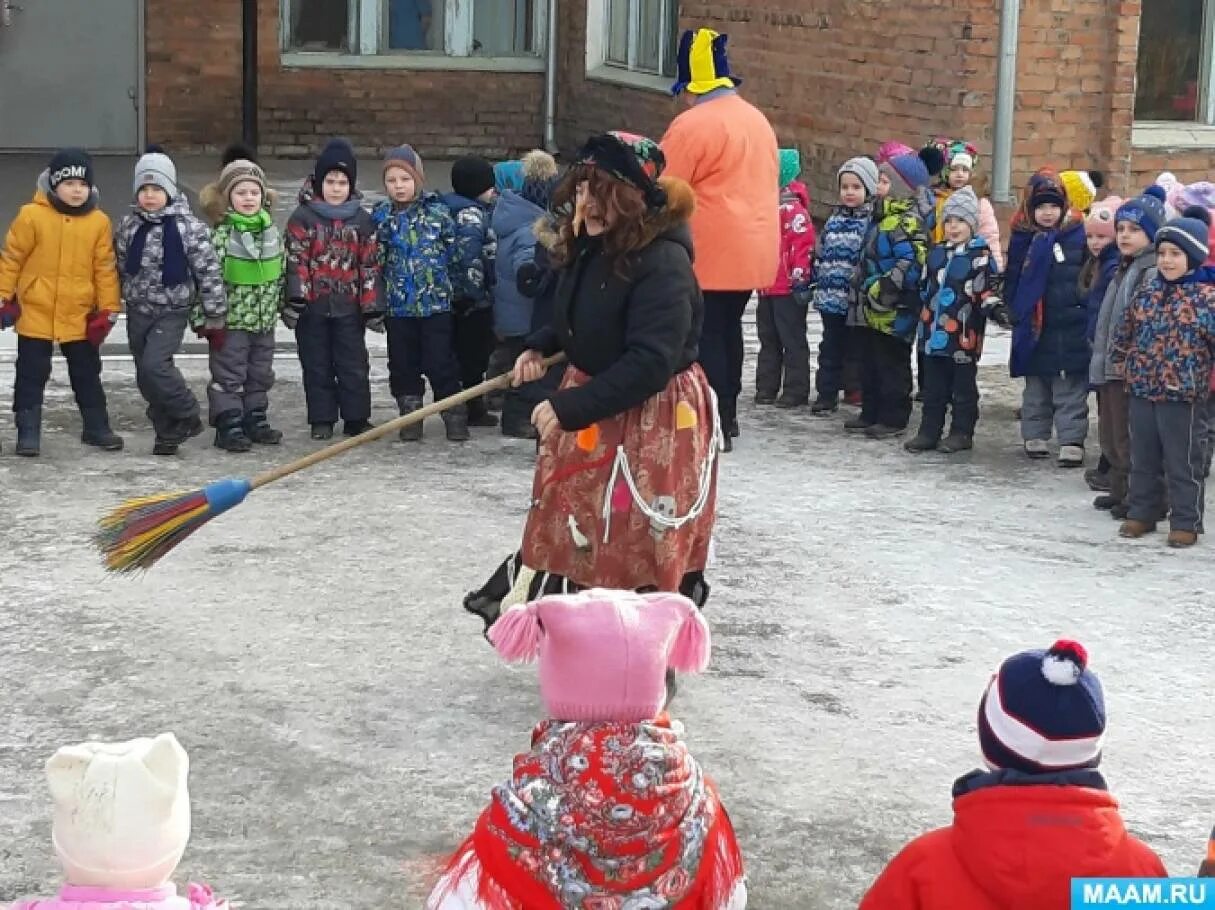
point(1174, 70)
point(642, 35)
point(437, 28)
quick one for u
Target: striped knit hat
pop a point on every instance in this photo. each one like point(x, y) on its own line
point(1043, 712)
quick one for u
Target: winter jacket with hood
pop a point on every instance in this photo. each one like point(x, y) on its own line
point(514, 225)
point(332, 260)
point(145, 292)
point(1015, 843)
point(959, 280)
point(989, 225)
point(59, 265)
point(472, 277)
point(418, 250)
point(1166, 342)
point(1095, 278)
point(892, 265)
point(632, 325)
point(797, 242)
point(1128, 280)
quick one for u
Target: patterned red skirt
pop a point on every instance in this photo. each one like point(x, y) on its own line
point(629, 502)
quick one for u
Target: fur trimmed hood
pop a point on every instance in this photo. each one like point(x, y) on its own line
point(680, 204)
point(214, 206)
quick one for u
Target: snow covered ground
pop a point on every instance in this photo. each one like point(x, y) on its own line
point(345, 719)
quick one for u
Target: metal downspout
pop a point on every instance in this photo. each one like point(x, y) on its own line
point(1006, 101)
point(550, 80)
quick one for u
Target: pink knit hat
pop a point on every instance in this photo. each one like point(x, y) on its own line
point(890, 150)
point(1101, 220)
point(604, 654)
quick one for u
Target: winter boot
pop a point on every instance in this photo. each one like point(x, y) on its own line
point(230, 432)
point(518, 429)
point(857, 424)
point(1037, 448)
point(322, 431)
point(357, 427)
point(956, 442)
point(1097, 480)
point(790, 402)
point(478, 414)
point(258, 429)
point(823, 407)
point(1120, 512)
point(408, 404)
point(456, 423)
point(884, 431)
point(1071, 456)
point(1136, 529)
point(920, 443)
point(97, 430)
point(765, 398)
point(1179, 540)
point(1105, 502)
point(29, 432)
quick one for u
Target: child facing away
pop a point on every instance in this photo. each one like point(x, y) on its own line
point(59, 285)
point(333, 292)
point(514, 223)
point(251, 258)
point(121, 823)
point(1050, 346)
point(1167, 343)
point(165, 260)
point(1136, 221)
point(1038, 815)
point(782, 372)
point(962, 284)
point(417, 243)
point(471, 203)
point(837, 257)
point(608, 807)
point(886, 308)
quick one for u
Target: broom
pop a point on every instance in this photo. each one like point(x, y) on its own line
point(138, 534)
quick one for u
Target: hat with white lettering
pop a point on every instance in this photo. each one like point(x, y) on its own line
point(70, 164)
point(1043, 711)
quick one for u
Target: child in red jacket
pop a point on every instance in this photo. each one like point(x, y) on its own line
point(784, 352)
point(1040, 816)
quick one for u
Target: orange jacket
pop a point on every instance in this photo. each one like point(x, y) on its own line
point(60, 268)
point(726, 149)
point(1013, 847)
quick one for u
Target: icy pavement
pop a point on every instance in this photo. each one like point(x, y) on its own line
point(345, 719)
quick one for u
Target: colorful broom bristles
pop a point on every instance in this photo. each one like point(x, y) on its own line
point(137, 534)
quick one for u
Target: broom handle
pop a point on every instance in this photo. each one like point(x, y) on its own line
point(399, 423)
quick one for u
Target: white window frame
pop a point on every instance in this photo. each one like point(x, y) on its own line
point(368, 23)
point(598, 66)
point(1180, 133)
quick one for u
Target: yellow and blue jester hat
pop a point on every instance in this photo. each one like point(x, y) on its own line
point(702, 62)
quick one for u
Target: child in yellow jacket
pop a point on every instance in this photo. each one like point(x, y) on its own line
point(59, 285)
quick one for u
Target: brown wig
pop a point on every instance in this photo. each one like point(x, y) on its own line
point(626, 204)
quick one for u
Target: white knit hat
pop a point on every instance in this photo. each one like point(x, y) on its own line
point(122, 811)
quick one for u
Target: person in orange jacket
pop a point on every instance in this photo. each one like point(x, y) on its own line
point(59, 285)
point(1039, 816)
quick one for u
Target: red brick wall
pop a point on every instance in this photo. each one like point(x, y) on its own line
point(194, 90)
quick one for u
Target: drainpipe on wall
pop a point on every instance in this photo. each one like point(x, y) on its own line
point(248, 18)
point(550, 81)
point(1006, 101)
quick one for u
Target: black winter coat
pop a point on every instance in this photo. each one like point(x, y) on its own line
point(631, 332)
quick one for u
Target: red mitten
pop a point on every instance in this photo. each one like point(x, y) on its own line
point(10, 312)
point(99, 326)
point(215, 336)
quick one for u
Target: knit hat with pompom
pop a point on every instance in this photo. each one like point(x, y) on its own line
point(1043, 711)
point(1101, 217)
point(1191, 233)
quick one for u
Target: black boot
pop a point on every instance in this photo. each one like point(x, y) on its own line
point(408, 404)
point(230, 432)
point(258, 429)
point(322, 431)
point(456, 423)
point(357, 427)
point(825, 406)
point(478, 414)
point(29, 432)
point(97, 430)
point(957, 442)
point(921, 442)
point(518, 428)
point(1105, 502)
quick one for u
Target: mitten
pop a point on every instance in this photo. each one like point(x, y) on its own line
point(374, 322)
point(995, 310)
point(215, 330)
point(99, 326)
point(10, 312)
point(292, 311)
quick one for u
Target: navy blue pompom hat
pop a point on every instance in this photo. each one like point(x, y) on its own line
point(1043, 712)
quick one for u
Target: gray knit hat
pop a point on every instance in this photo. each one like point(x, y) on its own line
point(155, 169)
point(864, 170)
point(964, 205)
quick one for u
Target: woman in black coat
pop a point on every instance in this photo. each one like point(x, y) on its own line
point(625, 487)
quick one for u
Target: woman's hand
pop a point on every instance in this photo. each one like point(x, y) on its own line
point(544, 419)
point(528, 368)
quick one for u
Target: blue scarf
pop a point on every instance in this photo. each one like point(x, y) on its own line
point(174, 269)
point(1029, 305)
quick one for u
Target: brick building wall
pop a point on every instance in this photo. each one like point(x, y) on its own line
point(194, 90)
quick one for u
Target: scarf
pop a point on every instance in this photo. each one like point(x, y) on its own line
point(173, 269)
point(343, 211)
point(597, 813)
point(254, 254)
point(77, 210)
